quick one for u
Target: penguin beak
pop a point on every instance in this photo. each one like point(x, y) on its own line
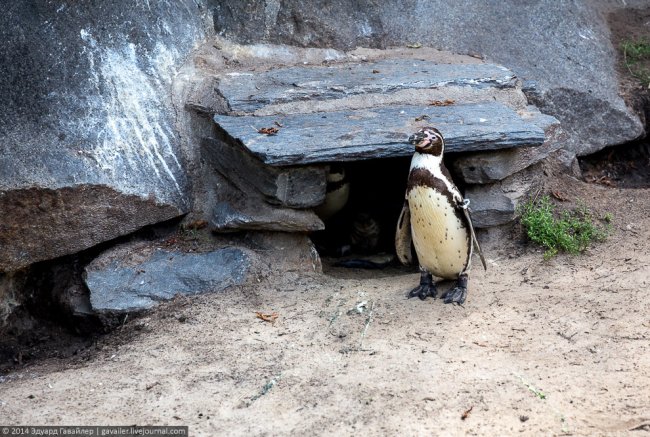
point(416, 138)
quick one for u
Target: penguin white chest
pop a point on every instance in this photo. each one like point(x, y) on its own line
point(334, 202)
point(440, 237)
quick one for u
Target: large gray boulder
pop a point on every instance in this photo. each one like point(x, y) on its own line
point(90, 149)
point(561, 50)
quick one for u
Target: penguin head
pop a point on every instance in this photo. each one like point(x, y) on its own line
point(428, 140)
point(336, 173)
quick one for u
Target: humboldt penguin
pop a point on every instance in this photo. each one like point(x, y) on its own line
point(333, 240)
point(337, 193)
point(435, 219)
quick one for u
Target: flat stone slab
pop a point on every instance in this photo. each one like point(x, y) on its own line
point(490, 167)
point(248, 92)
point(122, 285)
point(246, 215)
point(378, 133)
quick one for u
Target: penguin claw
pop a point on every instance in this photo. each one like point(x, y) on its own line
point(426, 288)
point(456, 295)
point(423, 291)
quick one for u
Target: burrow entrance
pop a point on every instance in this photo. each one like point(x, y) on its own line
point(364, 229)
point(624, 166)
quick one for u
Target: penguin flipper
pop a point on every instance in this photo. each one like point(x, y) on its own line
point(474, 239)
point(403, 239)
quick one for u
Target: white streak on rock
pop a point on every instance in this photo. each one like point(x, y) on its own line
point(129, 113)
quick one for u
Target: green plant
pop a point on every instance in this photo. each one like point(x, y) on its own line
point(566, 231)
point(635, 52)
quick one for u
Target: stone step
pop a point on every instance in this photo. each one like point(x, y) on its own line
point(378, 133)
point(247, 92)
point(253, 214)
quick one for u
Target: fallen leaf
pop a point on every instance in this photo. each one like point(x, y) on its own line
point(268, 130)
point(196, 225)
point(422, 117)
point(466, 413)
point(559, 196)
point(540, 394)
point(416, 45)
point(271, 318)
point(445, 102)
point(605, 180)
point(375, 71)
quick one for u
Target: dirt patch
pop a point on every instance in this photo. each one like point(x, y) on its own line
point(31, 340)
point(557, 347)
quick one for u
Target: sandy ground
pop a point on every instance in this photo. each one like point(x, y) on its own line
point(540, 348)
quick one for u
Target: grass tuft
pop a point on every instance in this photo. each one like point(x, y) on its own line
point(635, 52)
point(566, 231)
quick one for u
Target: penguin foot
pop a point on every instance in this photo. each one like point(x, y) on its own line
point(425, 289)
point(458, 294)
point(455, 295)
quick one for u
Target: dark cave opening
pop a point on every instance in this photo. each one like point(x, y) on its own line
point(622, 166)
point(365, 226)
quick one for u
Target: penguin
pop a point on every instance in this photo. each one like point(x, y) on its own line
point(365, 233)
point(333, 240)
point(435, 219)
point(337, 194)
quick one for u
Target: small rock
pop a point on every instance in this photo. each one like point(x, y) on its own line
point(489, 206)
point(495, 204)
